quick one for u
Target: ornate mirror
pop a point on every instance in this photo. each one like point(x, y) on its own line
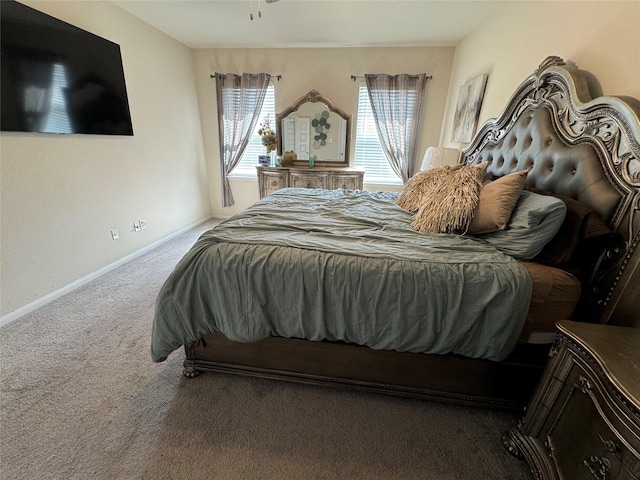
point(313, 125)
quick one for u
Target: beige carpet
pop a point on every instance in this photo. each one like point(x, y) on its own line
point(80, 398)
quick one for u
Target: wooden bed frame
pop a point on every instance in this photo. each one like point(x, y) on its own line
point(574, 116)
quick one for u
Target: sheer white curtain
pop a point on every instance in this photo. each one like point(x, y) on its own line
point(240, 99)
point(397, 103)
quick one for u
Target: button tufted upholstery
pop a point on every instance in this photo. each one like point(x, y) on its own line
point(571, 170)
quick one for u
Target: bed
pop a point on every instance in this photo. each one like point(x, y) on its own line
point(342, 288)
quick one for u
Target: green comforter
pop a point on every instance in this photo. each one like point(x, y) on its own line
point(342, 265)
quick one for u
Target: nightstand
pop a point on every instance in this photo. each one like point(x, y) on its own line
point(583, 421)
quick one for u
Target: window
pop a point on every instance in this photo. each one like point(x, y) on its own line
point(369, 154)
point(58, 120)
point(249, 160)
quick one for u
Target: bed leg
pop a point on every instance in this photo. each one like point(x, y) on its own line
point(189, 363)
point(190, 369)
point(511, 440)
point(190, 373)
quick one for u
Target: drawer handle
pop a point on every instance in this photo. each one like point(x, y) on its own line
point(274, 183)
point(598, 466)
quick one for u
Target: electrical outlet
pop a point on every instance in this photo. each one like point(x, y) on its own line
point(136, 226)
point(114, 234)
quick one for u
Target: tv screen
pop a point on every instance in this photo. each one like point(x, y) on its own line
point(57, 78)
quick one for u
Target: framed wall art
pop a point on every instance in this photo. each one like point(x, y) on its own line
point(465, 120)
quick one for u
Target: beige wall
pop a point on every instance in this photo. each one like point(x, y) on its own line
point(62, 194)
point(326, 70)
point(601, 37)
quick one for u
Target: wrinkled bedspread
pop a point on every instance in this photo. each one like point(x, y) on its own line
point(342, 265)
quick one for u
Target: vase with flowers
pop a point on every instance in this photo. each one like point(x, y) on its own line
point(268, 138)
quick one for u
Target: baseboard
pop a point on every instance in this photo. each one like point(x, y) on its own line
point(42, 301)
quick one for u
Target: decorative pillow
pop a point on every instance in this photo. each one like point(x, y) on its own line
point(582, 231)
point(535, 220)
point(417, 186)
point(497, 200)
point(448, 205)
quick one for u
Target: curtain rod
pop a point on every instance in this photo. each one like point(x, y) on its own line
point(277, 77)
point(354, 77)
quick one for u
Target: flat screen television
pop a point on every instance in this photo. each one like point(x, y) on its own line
point(58, 78)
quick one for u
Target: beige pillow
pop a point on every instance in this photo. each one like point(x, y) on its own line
point(497, 201)
point(449, 205)
point(417, 186)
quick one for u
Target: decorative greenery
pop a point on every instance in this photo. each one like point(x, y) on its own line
point(267, 135)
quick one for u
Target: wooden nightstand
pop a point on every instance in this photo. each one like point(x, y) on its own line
point(583, 421)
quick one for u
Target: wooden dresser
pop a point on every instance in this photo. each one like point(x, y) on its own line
point(271, 179)
point(583, 421)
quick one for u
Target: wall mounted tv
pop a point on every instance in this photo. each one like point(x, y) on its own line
point(57, 78)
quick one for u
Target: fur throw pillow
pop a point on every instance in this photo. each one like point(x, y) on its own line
point(420, 184)
point(448, 205)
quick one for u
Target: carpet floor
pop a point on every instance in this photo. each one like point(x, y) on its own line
point(80, 399)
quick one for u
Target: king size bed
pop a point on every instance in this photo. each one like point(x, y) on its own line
point(348, 288)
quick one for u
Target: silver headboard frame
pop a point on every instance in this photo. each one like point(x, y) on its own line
point(583, 145)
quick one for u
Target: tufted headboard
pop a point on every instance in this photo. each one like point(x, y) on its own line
point(579, 144)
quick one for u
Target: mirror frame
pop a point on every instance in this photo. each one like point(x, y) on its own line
point(314, 97)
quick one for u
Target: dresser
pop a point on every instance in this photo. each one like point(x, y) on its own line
point(271, 179)
point(583, 421)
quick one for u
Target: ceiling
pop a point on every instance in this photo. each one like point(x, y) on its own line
point(313, 23)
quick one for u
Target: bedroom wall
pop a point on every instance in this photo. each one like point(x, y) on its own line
point(600, 37)
point(326, 70)
point(62, 194)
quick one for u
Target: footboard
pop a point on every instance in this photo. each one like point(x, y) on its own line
point(448, 378)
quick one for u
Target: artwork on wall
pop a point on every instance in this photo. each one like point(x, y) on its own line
point(468, 109)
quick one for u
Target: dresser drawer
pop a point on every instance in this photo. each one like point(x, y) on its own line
point(308, 180)
point(272, 181)
point(607, 448)
point(348, 182)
